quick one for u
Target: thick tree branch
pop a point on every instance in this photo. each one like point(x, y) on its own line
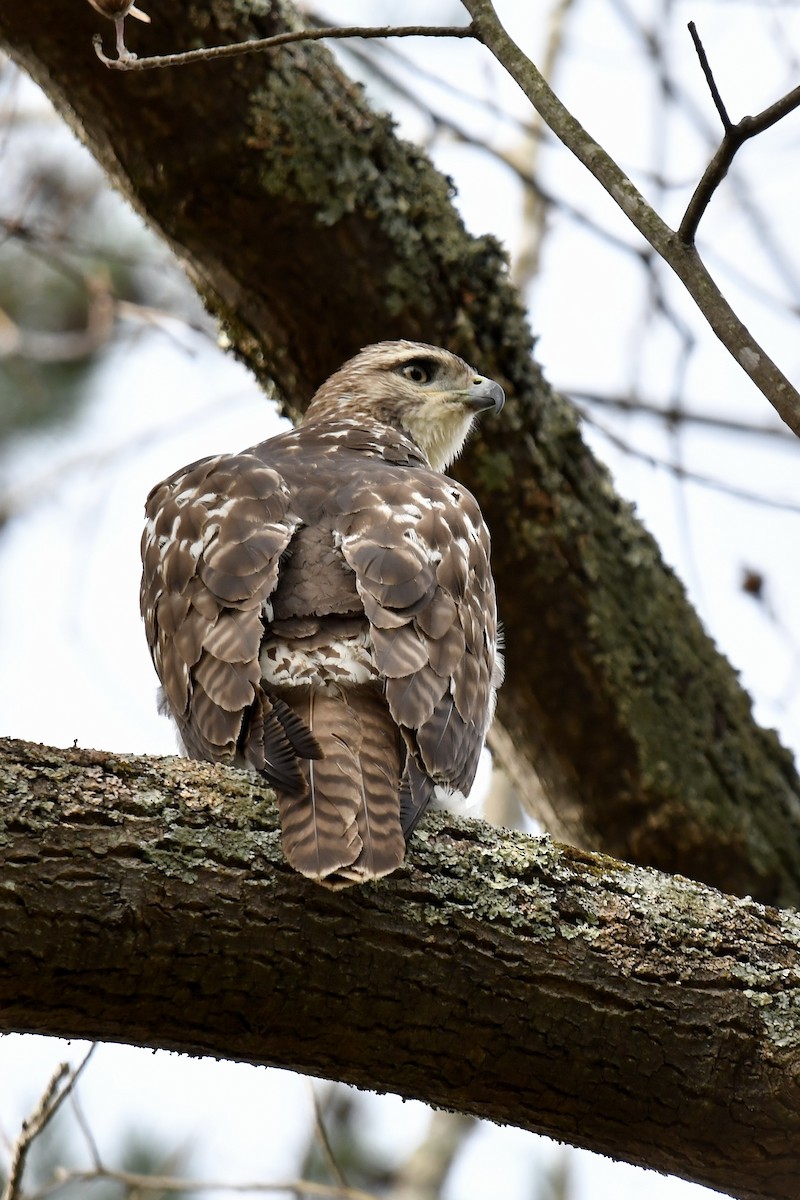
point(311, 231)
point(676, 250)
point(643, 1016)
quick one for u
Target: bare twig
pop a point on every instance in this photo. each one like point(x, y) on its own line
point(671, 415)
point(712, 85)
point(675, 91)
point(321, 1134)
point(679, 254)
point(167, 1183)
point(527, 155)
point(735, 137)
point(257, 45)
point(85, 1129)
point(685, 475)
point(317, 20)
point(49, 1104)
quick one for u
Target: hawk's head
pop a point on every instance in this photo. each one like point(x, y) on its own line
point(425, 391)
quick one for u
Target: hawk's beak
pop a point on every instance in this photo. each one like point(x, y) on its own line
point(484, 394)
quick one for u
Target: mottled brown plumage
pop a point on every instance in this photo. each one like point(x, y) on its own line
point(320, 608)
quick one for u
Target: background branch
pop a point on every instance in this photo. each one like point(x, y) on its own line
point(54, 1095)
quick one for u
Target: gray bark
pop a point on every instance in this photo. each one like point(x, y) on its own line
point(641, 1015)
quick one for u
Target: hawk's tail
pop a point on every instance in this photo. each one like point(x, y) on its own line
point(344, 827)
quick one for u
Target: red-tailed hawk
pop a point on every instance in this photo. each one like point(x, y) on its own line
point(321, 608)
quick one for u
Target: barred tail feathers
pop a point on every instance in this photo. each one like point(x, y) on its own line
point(344, 827)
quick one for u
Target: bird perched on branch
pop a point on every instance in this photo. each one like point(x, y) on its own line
point(320, 608)
point(117, 11)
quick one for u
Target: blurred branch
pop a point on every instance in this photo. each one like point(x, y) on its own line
point(527, 154)
point(670, 415)
point(321, 1135)
point(679, 254)
point(684, 474)
point(299, 1188)
point(51, 1100)
point(496, 974)
point(424, 1173)
point(69, 345)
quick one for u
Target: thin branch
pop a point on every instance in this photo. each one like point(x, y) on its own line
point(717, 169)
point(49, 1104)
point(321, 1134)
point(681, 256)
point(32, 1126)
point(167, 1183)
point(671, 415)
point(83, 1125)
point(484, 104)
point(727, 124)
point(679, 472)
point(257, 45)
point(673, 89)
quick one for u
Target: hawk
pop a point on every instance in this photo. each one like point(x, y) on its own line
point(320, 608)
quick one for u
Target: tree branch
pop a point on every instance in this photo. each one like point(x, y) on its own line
point(705, 66)
point(734, 138)
point(676, 250)
point(50, 1101)
point(639, 1015)
point(260, 45)
point(135, 1184)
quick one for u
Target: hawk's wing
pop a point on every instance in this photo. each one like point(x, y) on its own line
point(420, 550)
point(211, 550)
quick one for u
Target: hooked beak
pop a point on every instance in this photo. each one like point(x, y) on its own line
point(484, 394)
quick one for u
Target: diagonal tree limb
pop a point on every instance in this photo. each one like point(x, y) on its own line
point(676, 249)
point(629, 1012)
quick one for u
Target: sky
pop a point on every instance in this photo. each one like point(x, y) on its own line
point(165, 395)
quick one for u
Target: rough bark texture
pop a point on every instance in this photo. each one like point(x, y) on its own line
point(311, 230)
point(641, 1015)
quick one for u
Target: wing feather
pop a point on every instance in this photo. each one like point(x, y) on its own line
point(424, 579)
point(211, 549)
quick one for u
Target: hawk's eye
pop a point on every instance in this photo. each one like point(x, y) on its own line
point(418, 372)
